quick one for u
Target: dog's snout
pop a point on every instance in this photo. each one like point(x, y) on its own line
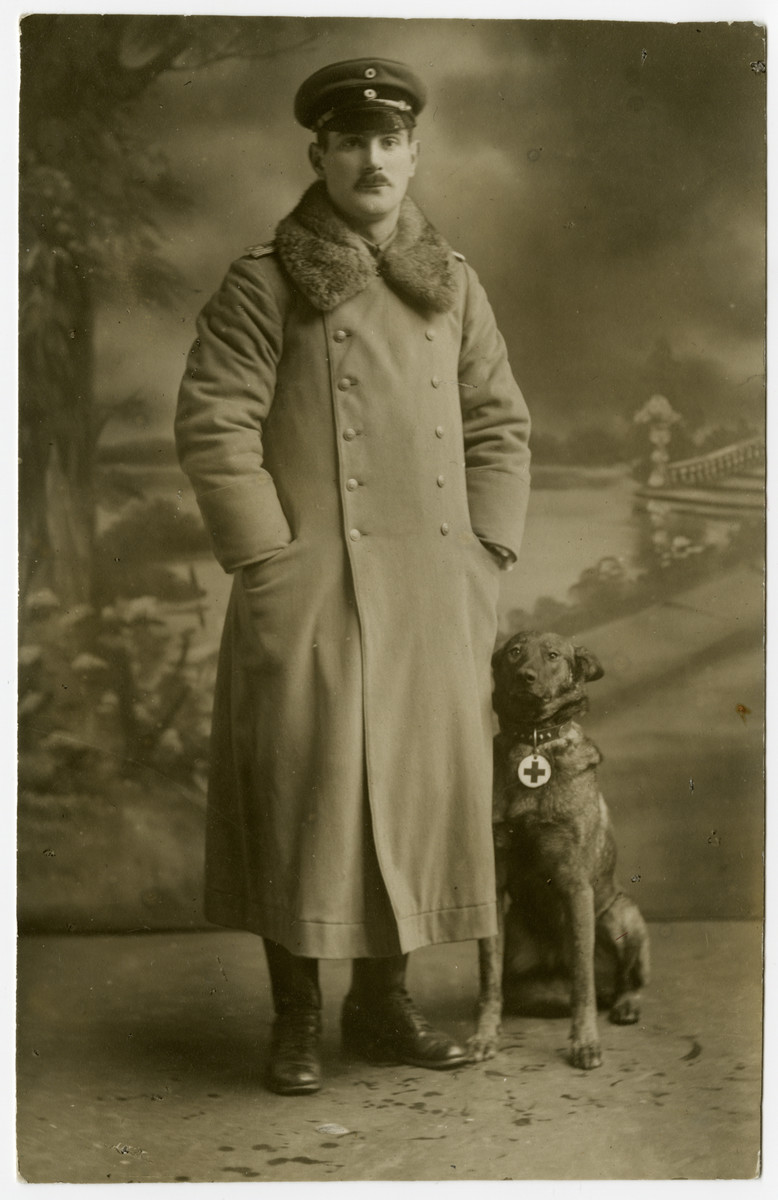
point(528, 674)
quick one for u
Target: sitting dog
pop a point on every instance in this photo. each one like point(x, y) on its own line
point(570, 937)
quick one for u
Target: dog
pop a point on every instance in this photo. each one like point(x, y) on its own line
point(570, 938)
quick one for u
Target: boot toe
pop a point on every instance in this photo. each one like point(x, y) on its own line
point(441, 1052)
point(293, 1079)
point(396, 1032)
point(294, 1066)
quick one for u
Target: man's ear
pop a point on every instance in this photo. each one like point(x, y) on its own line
point(415, 148)
point(314, 155)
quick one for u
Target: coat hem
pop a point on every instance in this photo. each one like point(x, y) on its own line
point(320, 939)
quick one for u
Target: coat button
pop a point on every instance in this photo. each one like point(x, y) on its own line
point(441, 480)
point(344, 384)
point(349, 434)
point(444, 527)
point(435, 381)
point(429, 335)
point(354, 534)
point(340, 335)
point(352, 484)
point(439, 431)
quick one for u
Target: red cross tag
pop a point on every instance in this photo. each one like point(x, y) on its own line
point(534, 770)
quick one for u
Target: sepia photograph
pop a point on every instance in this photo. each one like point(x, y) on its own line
point(391, 598)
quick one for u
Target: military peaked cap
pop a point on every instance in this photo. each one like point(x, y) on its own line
point(360, 94)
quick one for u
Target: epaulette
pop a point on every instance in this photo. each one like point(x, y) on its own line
point(260, 251)
point(459, 257)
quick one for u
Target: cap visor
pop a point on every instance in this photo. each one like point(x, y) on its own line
point(368, 118)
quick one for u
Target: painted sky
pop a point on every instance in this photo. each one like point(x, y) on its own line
point(606, 180)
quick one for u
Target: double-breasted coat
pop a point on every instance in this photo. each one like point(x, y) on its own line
point(353, 427)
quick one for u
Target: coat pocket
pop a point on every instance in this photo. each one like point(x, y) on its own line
point(484, 554)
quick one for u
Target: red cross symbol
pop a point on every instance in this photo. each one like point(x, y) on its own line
point(534, 771)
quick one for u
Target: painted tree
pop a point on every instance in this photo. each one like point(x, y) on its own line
point(91, 194)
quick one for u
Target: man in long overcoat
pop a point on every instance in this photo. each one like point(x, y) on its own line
point(358, 448)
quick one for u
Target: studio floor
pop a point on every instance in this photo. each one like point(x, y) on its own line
point(141, 1056)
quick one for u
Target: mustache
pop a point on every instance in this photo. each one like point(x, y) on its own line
point(371, 177)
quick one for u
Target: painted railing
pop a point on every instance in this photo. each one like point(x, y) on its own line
point(707, 468)
point(660, 417)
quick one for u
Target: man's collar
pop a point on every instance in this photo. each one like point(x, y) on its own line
point(379, 248)
point(330, 263)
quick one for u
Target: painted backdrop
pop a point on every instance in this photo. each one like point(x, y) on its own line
point(607, 182)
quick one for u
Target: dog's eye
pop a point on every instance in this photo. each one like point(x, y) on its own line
point(514, 652)
point(553, 654)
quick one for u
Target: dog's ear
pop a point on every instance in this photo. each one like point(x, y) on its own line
point(587, 666)
point(498, 655)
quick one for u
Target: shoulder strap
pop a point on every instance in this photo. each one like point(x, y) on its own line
point(273, 275)
point(261, 250)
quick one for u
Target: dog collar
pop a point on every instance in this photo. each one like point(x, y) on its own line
point(536, 737)
point(534, 769)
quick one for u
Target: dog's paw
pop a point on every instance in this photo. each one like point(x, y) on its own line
point(482, 1046)
point(625, 1011)
point(585, 1055)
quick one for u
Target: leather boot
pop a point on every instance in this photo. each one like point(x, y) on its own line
point(381, 1023)
point(294, 1063)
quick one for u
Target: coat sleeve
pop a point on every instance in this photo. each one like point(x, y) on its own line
point(225, 395)
point(496, 426)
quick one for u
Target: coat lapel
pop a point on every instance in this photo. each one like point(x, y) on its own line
point(329, 263)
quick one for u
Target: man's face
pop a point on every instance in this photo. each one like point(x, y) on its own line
point(366, 174)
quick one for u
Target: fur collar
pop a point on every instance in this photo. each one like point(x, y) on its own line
point(329, 263)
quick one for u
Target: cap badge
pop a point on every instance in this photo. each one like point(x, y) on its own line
point(370, 73)
point(370, 93)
